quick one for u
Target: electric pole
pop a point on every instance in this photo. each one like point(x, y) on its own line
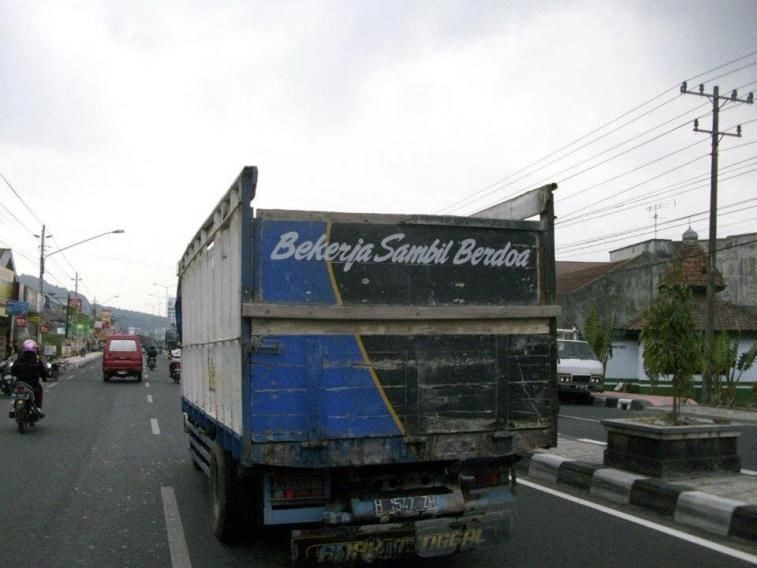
point(718, 103)
point(41, 282)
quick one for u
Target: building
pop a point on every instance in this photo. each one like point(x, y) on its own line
point(623, 288)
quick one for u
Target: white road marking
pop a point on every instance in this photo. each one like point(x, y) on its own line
point(154, 426)
point(177, 542)
point(748, 472)
point(147, 385)
point(48, 387)
point(577, 418)
point(644, 523)
point(149, 398)
point(588, 441)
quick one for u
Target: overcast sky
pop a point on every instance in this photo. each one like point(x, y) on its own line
point(139, 114)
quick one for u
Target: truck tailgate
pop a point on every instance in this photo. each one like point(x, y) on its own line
point(397, 327)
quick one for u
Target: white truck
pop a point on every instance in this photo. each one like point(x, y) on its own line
point(579, 371)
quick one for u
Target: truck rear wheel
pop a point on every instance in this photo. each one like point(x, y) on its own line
point(224, 495)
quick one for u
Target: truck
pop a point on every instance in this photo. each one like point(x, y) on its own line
point(367, 381)
point(579, 370)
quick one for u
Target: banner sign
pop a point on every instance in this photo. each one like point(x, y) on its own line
point(16, 308)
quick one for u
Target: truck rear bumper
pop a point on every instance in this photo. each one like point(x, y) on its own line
point(424, 538)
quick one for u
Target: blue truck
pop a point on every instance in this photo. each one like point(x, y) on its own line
point(368, 380)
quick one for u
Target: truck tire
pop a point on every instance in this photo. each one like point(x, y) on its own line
point(224, 495)
point(139, 377)
point(106, 378)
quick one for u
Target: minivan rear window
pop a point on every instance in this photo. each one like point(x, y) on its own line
point(128, 345)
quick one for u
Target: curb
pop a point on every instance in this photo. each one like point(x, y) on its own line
point(621, 403)
point(725, 517)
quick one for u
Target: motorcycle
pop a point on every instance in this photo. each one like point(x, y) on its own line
point(23, 408)
point(6, 377)
point(174, 367)
point(53, 369)
point(151, 362)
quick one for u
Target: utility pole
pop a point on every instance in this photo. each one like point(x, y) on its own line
point(718, 103)
point(41, 281)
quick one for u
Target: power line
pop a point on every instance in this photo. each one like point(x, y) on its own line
point(672, 190)
point(627, 233)
point(598, 129)
point(574, 215)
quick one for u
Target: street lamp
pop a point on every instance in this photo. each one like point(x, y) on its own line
point(43, 256)
point(157, 305)
point(166, 290)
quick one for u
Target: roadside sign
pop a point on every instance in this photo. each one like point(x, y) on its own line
point(16, 308)
point(74, 303)
point(35, 318)
point(20, 321)
point(44, 328)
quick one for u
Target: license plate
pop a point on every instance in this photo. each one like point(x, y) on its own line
point(403, 506)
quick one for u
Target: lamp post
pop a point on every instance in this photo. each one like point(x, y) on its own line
point(157, 305)
point(165, 288)
point(43, 257)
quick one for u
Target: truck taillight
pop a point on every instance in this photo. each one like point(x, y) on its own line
point(298, 486)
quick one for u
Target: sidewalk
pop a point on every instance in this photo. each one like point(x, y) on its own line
point(652, 403)
point(722, 503)
point(78, 361)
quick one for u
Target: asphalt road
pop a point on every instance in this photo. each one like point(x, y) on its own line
point(96, 482)
point(583, 421)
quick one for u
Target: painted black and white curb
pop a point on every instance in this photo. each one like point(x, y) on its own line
point(725, 517)
point(620, 402)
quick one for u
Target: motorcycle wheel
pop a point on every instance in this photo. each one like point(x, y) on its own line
point(21, 420)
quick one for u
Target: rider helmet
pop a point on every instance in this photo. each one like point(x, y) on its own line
point(29, 345)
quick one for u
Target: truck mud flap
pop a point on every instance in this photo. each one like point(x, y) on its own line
point(368, 543)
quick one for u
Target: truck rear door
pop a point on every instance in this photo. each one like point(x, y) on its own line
point(388, 326)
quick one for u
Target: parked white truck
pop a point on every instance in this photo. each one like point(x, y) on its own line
point(579, 371)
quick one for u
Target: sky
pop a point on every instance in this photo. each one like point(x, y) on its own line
point(138, 115)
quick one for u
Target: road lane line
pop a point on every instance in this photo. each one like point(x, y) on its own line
point(748, 472)
point(154, 426)
point(588, 441)
point(577, 418)
point(644, 523)
point(48, 387)
point(147, 385)
point(177, 542)
point(149, 398)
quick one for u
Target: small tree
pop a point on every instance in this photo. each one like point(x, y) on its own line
point(598, 335)
point(730, 366)
point(671, 342)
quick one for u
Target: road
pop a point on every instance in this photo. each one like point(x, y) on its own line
point(105, 480)
point(583, 421)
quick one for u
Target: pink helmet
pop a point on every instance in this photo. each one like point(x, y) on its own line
point(29, 345)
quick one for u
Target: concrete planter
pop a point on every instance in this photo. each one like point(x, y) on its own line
point(667, 451)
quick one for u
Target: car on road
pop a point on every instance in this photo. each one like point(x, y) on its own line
point(122, 357)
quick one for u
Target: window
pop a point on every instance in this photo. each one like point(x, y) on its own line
point(123, 345)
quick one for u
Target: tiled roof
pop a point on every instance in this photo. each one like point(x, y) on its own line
point(694, 267)
point(728, 316)
point(571, 277)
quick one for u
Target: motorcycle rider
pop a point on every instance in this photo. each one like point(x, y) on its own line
point(152, 353)
point(29, 369)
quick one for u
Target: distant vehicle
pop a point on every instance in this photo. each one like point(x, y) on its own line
point(122, 357)
point(171, 340)
point(174, 367)
point(579, 371)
